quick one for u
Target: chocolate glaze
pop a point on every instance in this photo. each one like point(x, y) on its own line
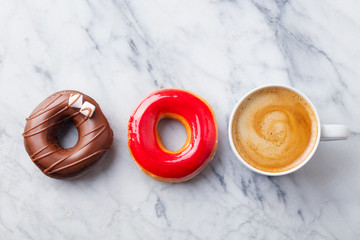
point(41, 143)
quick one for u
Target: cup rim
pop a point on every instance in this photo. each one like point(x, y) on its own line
point(232, 145)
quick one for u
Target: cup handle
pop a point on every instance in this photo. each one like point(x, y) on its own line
point(331, 132)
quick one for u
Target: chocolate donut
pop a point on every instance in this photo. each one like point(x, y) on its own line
point(40, 135)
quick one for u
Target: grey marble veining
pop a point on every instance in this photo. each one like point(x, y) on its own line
point(119, 51)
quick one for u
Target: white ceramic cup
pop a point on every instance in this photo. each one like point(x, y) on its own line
point(326, 132)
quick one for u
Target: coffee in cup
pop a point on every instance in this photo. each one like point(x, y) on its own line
point(275, 130)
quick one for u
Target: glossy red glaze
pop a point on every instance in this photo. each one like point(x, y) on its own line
point(148, 151)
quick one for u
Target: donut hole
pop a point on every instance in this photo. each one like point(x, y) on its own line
point(172, 133)
point(68, 135)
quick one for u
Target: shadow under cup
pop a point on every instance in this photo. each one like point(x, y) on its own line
point(274, 130)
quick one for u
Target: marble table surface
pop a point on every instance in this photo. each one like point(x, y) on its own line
point(118, 52)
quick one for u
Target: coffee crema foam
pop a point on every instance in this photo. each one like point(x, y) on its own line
point(274, 129)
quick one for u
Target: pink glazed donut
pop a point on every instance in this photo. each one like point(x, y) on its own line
point(145, 144)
